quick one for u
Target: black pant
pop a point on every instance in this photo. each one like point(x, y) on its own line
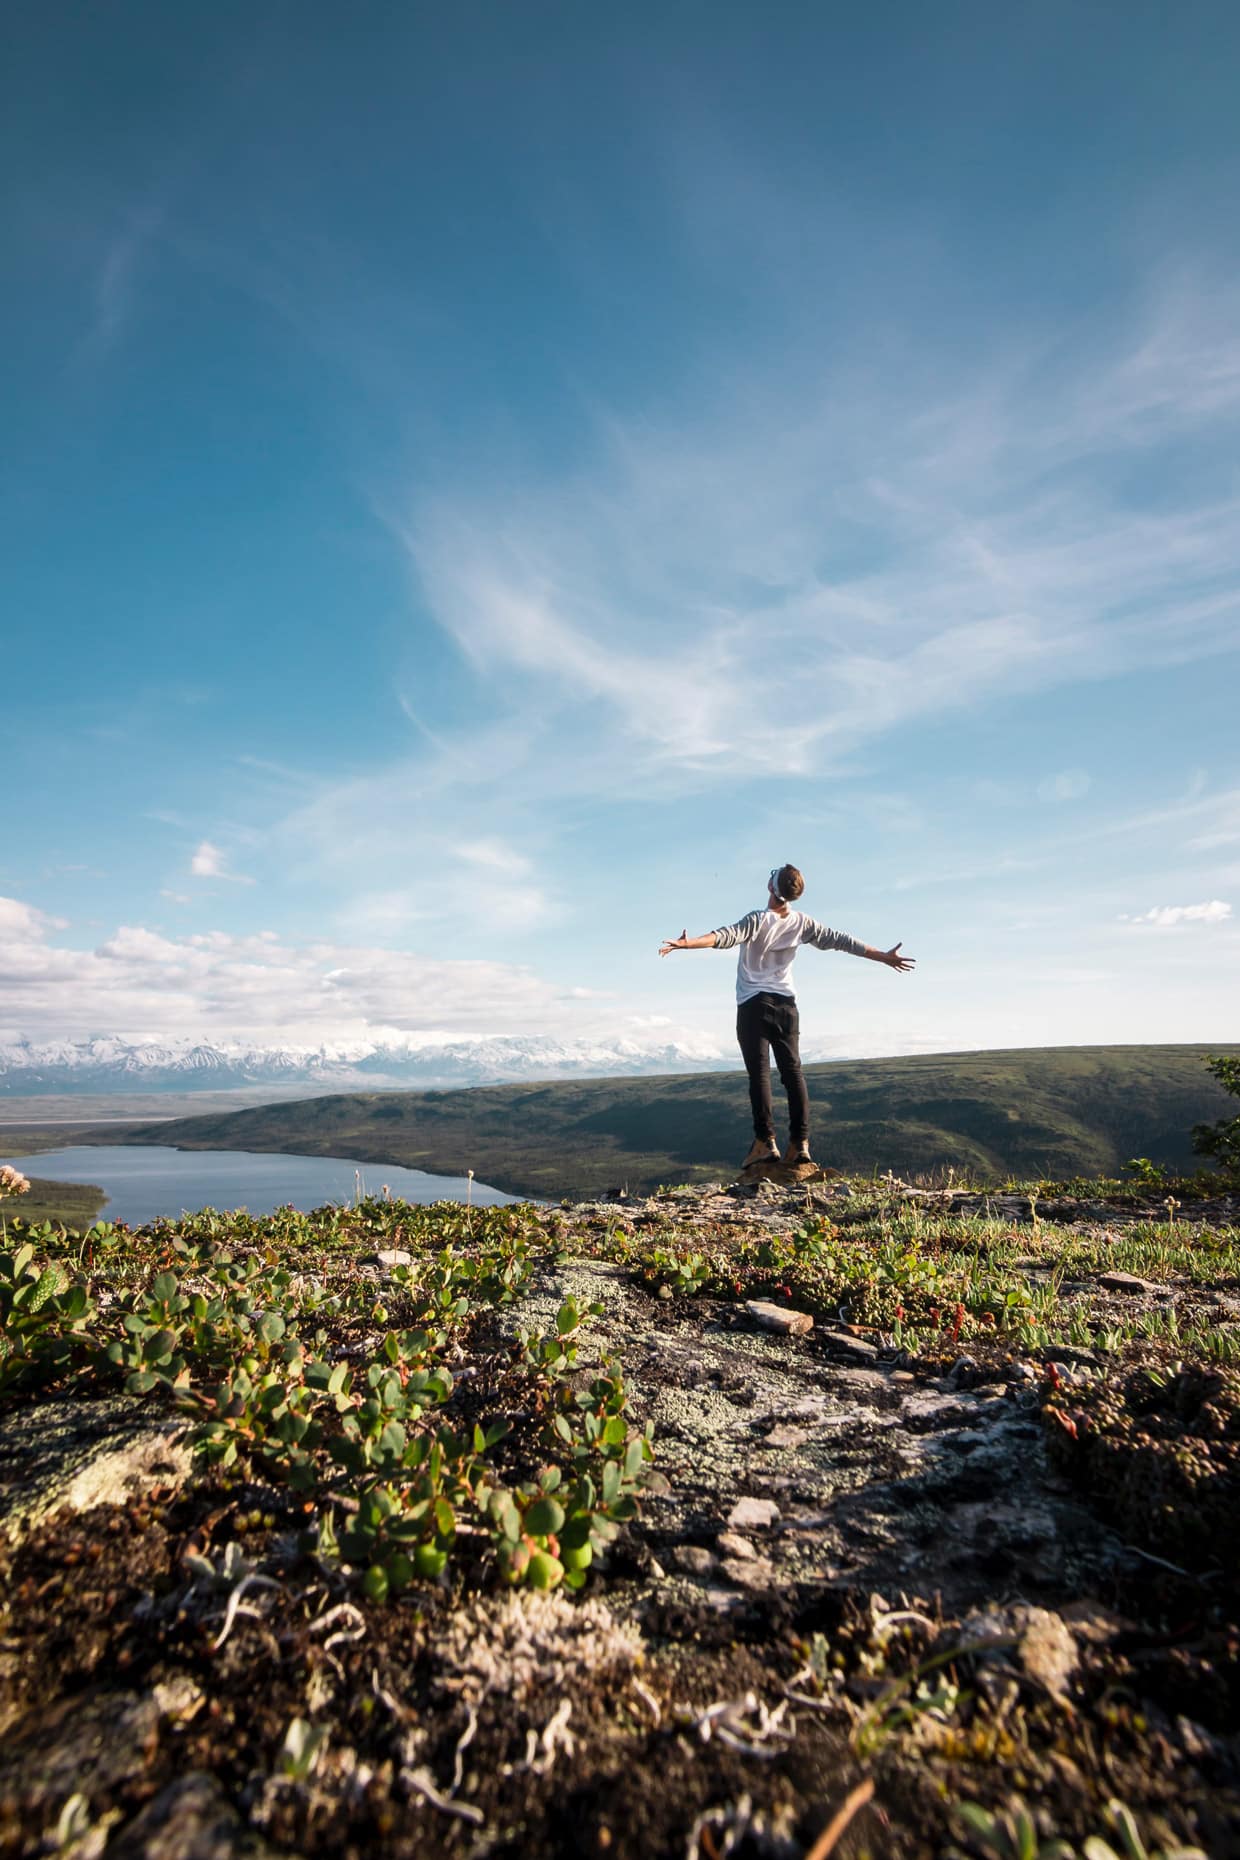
point(763, 1022)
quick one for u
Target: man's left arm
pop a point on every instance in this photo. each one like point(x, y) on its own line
point(822, 938)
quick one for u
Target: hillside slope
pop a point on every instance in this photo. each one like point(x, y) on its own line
point(1048, 1112)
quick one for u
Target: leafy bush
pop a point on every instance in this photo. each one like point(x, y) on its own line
point(1222, 1140)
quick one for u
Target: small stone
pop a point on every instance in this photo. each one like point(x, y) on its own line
point(755, 1573)
point(962, 1372)
point(389, 1257)
point(1047, 1650)
point(731, 1543)
point(856, 1349)
point(1129, 1283)
point(178, 1698)
point(1041, 1640)
point(694, 1559)
point(753, 1514)
point(1195, 1740)
point(775, 1317)
point(665, 1291)
point(903, 1375)
point(1023, 1372)
point(784, 1437)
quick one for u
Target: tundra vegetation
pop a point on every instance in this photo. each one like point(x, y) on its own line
point(845, 1517)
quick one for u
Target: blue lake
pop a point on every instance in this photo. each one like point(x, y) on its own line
point(144, 1181)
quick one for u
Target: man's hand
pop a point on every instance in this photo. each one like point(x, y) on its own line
point(675, 942)
point(895, 960)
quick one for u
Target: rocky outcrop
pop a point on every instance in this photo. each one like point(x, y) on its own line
point(75, 1455)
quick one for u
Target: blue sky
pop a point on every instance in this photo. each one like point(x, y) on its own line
point(480, 489)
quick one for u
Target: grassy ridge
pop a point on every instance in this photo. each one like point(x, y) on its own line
point(1047, 1112)
point(73, 1204)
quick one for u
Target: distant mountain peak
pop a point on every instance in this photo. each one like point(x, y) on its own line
point(105, 1063)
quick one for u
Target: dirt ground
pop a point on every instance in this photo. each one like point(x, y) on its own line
point(927, 1568)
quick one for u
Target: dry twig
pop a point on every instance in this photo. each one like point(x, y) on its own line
point(855, 1800)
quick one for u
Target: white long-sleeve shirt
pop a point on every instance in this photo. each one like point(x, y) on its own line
point(768, 944)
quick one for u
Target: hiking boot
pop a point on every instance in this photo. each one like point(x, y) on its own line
point(797, 1152)
point(761, 1150)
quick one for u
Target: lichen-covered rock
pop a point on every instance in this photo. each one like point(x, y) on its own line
point(74, 1455)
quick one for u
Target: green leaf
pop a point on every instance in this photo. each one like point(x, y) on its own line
point(348, 1453)
point(393, 1438)
point(544, 1517)
point(576, 1532)
point(566, 1319)
point(506, 1515)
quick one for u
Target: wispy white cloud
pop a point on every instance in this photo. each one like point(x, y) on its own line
point(209, 861)
point(1168, 916)
point(494, 856)
point(116, 276)
point(1067, 785)
point(808, 560)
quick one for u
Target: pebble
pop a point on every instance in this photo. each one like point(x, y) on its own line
point(757, 1573)
point(731, 1543)
point(1128, 1282)
point(694, 1559)
point(1040, 1639)
point(777, 1318)
point(855, 1348)
point(753, 1514)
point(178, 1698)
point(389, 1257)
point(784, 1437)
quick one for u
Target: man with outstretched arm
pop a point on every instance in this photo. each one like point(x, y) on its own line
point(766, 1012)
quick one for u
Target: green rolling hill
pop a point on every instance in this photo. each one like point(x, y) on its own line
point(1035, 1113)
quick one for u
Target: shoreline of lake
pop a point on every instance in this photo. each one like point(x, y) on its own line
point(147, 1182)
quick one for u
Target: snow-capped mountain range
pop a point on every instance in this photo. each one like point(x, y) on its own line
point(105, 1064)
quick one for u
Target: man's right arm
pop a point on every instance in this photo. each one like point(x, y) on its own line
point(726, 938)
point(687, 942)
point(742, 931)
